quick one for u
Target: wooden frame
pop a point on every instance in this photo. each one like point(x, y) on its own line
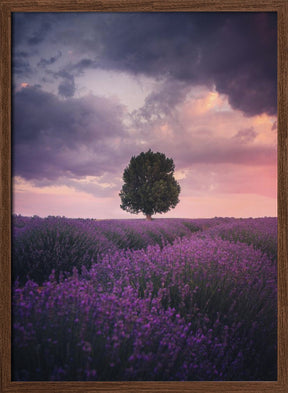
point(9, 6)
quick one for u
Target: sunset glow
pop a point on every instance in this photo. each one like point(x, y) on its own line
point(86, 100)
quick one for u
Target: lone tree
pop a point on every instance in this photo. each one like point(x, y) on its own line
point(149, 185)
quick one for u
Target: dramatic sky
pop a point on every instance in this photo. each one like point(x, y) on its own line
point(90, 90)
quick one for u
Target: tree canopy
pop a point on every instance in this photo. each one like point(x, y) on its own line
point(149, 184)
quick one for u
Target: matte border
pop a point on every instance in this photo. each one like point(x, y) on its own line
point(9, 6)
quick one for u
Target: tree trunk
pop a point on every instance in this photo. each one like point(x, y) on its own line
point(148, 217)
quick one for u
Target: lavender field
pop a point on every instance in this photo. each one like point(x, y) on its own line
point(166, 300)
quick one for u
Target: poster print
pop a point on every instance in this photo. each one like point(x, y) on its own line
point(174, 117)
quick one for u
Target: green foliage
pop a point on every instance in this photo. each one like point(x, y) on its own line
point(149, 185)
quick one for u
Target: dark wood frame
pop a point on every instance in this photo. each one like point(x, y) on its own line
point(9, 6)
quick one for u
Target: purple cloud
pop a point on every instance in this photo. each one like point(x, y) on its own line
point(71, 137)
point(236, 52)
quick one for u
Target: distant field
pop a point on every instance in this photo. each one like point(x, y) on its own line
point(170, 299)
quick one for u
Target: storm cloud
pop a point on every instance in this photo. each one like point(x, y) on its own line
point(236, 52)
point(90, 136)
point(72, 137)
point(90, 90)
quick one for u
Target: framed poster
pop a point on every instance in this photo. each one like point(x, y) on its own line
point(144, 196)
